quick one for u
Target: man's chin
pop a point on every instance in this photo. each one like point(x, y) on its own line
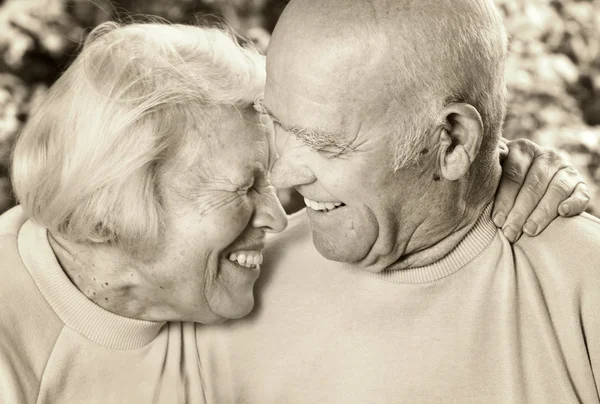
point(344, 234)
point(337, 251)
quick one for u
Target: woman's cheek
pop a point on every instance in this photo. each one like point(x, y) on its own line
point(239, 214)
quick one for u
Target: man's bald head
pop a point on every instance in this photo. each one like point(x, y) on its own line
point(405, 59)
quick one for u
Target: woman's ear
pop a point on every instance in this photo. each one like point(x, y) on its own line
point(460, 139)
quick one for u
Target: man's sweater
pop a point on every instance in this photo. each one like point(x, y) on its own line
point(489, 323)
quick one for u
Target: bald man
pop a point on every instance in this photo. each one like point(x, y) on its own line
point(395, 286)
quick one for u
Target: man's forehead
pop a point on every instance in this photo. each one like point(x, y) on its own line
point(294, 108)
point(320, 85)
point(321, 72)
point(330, 110)
point(327, 34)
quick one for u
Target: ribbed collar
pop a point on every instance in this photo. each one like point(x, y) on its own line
point(72, 306)
point(476, 240)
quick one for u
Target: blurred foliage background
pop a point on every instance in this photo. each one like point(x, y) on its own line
point(553, 70)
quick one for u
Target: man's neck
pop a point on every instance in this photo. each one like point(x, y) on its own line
point(476, 198)
point(435, 252)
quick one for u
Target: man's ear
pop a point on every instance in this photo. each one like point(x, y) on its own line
point(460, 139)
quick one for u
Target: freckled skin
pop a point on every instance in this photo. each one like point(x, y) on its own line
point(213, 202)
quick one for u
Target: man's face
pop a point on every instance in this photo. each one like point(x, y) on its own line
point(334, 140)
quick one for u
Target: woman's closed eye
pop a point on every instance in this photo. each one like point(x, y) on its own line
point(245, 189)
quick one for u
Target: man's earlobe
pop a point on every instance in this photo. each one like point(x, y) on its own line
point(460, 139)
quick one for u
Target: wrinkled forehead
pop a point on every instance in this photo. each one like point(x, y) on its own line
point(245, 135)
point(324, 67)
point(234, 137)
point(328, 84)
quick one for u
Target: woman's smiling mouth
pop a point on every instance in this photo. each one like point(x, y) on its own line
point(249, 258)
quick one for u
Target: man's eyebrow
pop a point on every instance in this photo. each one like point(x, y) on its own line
point(315, 138)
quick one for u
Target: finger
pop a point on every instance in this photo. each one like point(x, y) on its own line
point(514, 170)
point(559, 189)
point(531, 193)
point(577, 202)
point(503, 149)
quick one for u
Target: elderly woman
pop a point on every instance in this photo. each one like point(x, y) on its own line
point(145, 200)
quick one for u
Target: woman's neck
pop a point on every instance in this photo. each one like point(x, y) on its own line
point(110, 279)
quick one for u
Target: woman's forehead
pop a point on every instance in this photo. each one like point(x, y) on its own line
point(239, 143)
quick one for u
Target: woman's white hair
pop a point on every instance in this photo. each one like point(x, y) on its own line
point(88, 164)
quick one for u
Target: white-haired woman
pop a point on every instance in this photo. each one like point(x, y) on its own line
point(144, 204)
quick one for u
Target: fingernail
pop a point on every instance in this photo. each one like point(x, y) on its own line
point(530, 228)
point(511, 233)
point(564, 209)
point(499, 219)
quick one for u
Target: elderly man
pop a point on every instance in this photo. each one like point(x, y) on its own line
point(387, 116)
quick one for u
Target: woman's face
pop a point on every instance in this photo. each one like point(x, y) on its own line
point(216, 222)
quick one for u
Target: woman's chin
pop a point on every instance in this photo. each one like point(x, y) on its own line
point(233, 310)
point(233, 294)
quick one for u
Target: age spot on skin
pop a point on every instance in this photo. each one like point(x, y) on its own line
point(436, 177)
point(424, 151)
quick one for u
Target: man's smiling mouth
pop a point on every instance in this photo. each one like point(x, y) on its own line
point(322, 206)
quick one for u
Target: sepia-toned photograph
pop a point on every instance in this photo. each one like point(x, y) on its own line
point(299, 201)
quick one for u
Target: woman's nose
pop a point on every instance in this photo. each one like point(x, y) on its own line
point(269, 214)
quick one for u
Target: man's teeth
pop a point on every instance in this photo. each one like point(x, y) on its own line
point(325, 206)
point(247, 258)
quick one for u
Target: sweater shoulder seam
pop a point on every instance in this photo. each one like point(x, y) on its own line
point(590, 218)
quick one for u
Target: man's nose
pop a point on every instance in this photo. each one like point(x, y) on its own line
point(284, 174)
point(269, 214)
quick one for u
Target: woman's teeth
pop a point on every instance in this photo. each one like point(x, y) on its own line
point(247, 258)
point(323, 206)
